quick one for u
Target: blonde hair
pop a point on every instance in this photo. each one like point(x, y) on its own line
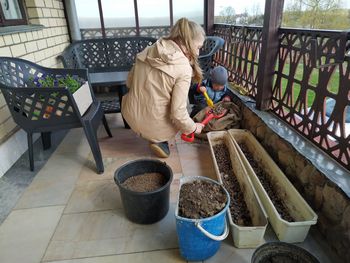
point(185, 33)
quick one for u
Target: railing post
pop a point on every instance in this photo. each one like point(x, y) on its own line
point(269, 51)
point(73, 23)
point(100, 10)
point(209, 16)
point(171, 13)
point(137, 18)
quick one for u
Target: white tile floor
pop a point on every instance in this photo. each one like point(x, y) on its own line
point(71, 214)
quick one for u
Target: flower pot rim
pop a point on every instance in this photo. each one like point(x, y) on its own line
point(147, 160)
point(203, 178)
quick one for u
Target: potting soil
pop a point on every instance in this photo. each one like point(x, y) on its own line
point(270, 189)
point(238, 207)
point(147, 182)
point(201, 199)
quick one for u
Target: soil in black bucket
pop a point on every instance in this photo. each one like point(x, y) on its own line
point(147, 182)
point(201, 199)
point(238, 207)
point(271, 191)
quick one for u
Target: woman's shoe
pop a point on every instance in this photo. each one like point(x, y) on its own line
point(160, 149)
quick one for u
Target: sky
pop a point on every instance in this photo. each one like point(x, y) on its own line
point(158, 8)
point(240, 5)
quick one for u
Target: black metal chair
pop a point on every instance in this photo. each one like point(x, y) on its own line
point(211, 45)
point(46, 109)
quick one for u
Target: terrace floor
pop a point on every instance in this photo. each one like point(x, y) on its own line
point(70, 214)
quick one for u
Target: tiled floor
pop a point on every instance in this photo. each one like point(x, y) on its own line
point(71, 214)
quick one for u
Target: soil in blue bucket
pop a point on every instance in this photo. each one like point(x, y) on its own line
point(200, 218)
point(201, 199)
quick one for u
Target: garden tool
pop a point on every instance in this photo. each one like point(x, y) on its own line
point(208, 100)
point(209, 116)
point(210, 103)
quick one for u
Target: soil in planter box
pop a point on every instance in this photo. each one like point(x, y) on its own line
point(201, 199)
point(267, 184)
point(238, 207)
point(147, 182)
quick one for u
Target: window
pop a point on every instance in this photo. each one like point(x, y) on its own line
point(12, 13)
point(154, 13)
point(193, 10)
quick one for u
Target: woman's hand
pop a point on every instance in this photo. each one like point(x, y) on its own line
point(202, 89)
point(199, 127)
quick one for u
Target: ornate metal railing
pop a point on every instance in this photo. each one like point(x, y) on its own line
point(150, 31)
point(311, 90)
point(240, 54)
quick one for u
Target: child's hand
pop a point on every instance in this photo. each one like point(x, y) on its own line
point(202, 89)
point(207, 109)
point(226, 98)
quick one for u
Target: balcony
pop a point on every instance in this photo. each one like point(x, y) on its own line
point(66, 213)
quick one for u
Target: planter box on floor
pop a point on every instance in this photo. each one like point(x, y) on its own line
point(297, 207)
point(243, 236)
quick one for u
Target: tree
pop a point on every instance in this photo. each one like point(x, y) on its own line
point(256, 18)
point(227, 16)
point(325, 14)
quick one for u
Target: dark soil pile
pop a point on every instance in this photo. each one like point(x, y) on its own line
point(267, 184)
point(201, 199)
point(238, 207)
point(219, 109)
point(147, 182)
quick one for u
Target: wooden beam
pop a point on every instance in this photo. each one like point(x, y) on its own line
point(269, 51)
point(209, 16)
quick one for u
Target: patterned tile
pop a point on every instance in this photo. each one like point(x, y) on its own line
point(108, 232)
point(94, 195)
point(24, 234)
point(168, 256)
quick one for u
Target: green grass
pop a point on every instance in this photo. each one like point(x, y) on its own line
point(332, 87)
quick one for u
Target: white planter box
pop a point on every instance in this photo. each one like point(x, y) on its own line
point(83, 98)
point(243, 236)
point(297, 207)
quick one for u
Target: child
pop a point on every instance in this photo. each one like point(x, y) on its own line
point(216, 88)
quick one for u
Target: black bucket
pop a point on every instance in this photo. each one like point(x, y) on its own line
point(282, 252)
point(144, 207)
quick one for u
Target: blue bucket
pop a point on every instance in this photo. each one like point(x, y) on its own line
point(200, 239)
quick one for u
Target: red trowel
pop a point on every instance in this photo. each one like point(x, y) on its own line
point(209, 116)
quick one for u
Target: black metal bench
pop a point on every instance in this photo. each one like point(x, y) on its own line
point(118, 55)
point(106, 55)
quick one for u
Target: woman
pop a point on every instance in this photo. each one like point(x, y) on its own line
point(156, 105)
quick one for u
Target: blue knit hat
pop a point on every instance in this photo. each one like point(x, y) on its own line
point(219, 75)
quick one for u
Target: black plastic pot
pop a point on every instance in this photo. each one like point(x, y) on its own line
point(144, 207)
point(282, 252)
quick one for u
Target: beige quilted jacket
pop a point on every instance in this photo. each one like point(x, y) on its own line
point(155, 105)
